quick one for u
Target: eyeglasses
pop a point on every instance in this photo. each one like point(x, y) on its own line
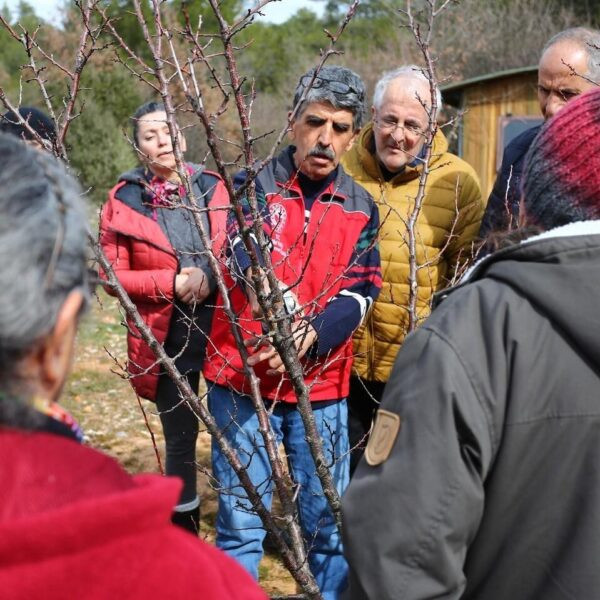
point(88, 288)
point(339, 87)
point(388, 125)
point(91, 277)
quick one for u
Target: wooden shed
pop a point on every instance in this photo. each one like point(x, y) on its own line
point(496, 108)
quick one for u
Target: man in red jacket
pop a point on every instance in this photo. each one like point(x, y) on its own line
point(322, 227)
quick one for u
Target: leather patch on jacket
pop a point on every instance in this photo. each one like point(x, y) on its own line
point(385, 432)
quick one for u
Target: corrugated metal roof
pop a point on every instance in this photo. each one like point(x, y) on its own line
point(455, 87)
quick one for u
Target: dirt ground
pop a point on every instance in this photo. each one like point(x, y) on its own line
point(112, 420)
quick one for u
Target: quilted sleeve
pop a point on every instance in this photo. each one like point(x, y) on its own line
point(146, 285)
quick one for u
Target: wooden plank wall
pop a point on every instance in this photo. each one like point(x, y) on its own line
point(485, 103)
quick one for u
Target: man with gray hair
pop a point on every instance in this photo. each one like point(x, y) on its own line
point(388, 159)
point(569, 66)
point(322, 228)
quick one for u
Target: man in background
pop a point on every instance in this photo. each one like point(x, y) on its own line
point(387, 160)
point(569, 66)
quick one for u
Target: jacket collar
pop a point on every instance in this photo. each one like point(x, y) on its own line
point(576, 229)
point(140, 174)
point(479, 269)
point(365, 145)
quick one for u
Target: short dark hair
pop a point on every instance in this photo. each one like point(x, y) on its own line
point(144, 109)
point(39, 121)
point(339, 86)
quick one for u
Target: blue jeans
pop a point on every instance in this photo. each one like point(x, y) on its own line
point(240, 532)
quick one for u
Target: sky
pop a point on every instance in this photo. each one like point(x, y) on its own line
point(276, 12)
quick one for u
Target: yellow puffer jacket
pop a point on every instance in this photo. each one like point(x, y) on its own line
point(446, 227)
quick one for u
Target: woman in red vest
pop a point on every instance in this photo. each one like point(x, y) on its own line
point(150, 234)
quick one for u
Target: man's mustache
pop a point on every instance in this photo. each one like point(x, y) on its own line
point(319, 150)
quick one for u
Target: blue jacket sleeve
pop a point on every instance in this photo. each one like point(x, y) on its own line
point(361, 286)
point(502, 211)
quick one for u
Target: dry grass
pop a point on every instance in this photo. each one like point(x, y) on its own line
point(108, 411)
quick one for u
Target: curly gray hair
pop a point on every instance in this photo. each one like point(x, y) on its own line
point(339, 86)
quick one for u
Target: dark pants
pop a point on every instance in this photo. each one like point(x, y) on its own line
point(363, 403)
point(180, 426)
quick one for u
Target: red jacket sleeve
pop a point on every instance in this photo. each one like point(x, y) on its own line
point(219, 209)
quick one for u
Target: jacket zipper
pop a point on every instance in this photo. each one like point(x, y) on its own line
point(305, 229)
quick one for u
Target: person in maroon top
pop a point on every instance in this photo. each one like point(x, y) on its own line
point(73, 523)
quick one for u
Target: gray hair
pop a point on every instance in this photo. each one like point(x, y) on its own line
point(339, 86)
point(43, 252)
point(404, 72)
point(588, 40)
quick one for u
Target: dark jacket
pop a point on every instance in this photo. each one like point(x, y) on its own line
point(492, 487)
point(502, 209)
point(74, 524)
point(145, 251)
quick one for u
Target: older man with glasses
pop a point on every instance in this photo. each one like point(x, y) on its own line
point(322, 230)
point(388, 159)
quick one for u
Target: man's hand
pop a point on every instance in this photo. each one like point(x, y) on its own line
point(194, 288)
point(179, 281)
point(304, 337)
